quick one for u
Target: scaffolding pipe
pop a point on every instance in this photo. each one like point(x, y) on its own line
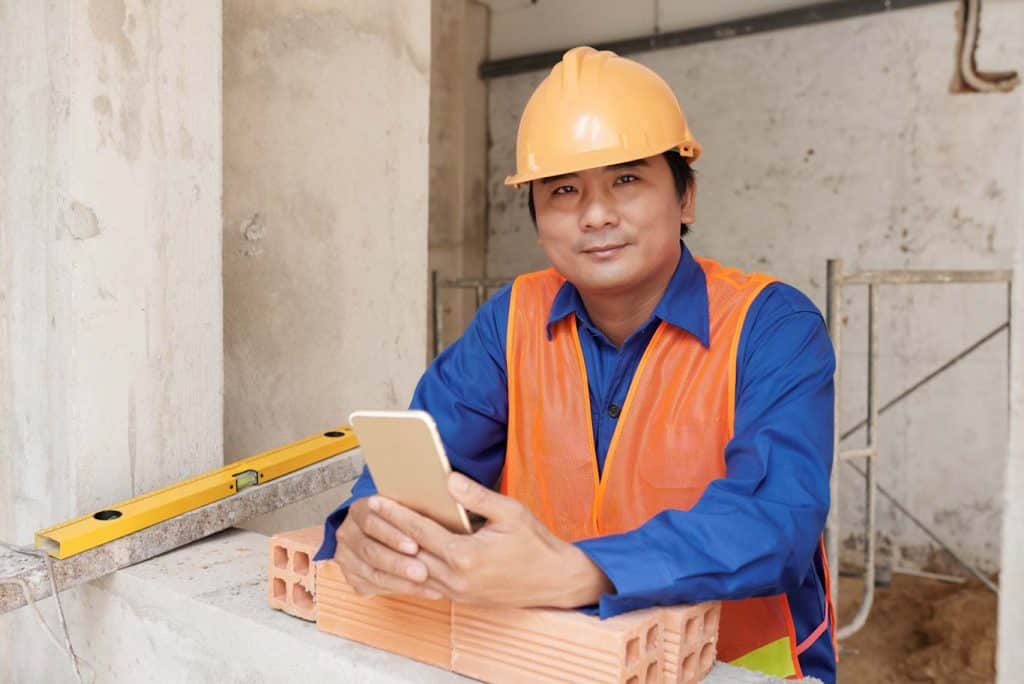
point(928, 378)
point(934, 537)
point(910, 277)
point(832, 526)
point(870, 472)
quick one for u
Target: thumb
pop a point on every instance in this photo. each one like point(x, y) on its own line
point(481, 500)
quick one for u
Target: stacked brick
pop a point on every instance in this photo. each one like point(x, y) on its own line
point(417, 628)
point(691, 633)
point(291, 585)
point(544, 645)
point(499, 645)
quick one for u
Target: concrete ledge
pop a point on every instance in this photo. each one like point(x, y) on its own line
point(176, 532)
point(200, 614)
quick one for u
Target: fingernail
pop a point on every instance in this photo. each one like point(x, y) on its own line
point(460, 484)
point(431, 594)
point(374, 504)
point(407, 547)
point(416, 572)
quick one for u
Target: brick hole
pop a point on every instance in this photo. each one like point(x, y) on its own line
point(693, 627)
point(653, 675)
point(707, 656)
point(652, 638)
point(300, 562)
point(711, 622)
point(281, 557)
point(279, 589)
point(301, 597)
point(689, 668)
point(632, 652)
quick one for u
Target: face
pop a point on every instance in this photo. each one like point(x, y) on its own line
point(614, 228)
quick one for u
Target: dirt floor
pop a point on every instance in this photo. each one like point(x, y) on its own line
point(920, 630)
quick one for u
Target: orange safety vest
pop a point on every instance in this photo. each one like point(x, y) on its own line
point(668, 445)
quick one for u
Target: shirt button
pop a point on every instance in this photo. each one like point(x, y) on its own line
point(614, 410)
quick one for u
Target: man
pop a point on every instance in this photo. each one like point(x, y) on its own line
point(659, 426)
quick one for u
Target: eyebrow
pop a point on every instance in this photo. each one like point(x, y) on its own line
point(552, 179)
point(611, 167)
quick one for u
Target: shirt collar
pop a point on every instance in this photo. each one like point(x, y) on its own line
point(684, 304)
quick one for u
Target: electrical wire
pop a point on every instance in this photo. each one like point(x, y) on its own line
point(66, 648)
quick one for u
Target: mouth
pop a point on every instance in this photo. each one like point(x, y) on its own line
point(604, 250)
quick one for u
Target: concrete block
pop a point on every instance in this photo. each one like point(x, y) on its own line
point(416, 628)
point(291, 572)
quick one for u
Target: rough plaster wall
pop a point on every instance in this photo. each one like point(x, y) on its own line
point(110, 292)
point(325, 218)
point(1011, 598)
point(458, 155)
point(841, 140)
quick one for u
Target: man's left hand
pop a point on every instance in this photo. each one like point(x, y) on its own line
point(513, 560)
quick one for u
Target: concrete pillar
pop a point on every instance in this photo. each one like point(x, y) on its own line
point(110, 283)
point(1010, 663)
point(458, 155)
point(326, 111)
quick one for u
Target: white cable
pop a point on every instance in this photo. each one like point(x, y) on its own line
point(67, 648)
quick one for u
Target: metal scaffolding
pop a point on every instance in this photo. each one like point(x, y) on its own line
point(837, 280)
point(482, 287)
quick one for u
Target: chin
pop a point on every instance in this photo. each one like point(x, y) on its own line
point(610, 281)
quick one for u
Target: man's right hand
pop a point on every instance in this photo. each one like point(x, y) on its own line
point(377, 558)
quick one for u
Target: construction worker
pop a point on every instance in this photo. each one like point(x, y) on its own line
point(659, 426)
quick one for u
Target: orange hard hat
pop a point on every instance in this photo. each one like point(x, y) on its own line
point(596, 109)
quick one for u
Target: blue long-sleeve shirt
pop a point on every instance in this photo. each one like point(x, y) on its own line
point(752, 533)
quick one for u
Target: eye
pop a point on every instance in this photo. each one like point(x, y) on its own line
point(626, 178)
point(563, 190)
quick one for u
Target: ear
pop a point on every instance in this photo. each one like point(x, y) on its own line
point(688, 204)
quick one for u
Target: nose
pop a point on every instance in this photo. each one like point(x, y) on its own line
point(599, 211)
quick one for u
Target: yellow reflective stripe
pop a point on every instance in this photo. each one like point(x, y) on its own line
point(772, 659)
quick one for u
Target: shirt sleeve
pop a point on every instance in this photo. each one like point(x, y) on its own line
point(465, 391)
point(753, 532)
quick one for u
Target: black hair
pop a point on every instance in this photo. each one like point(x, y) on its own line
point(682, 174)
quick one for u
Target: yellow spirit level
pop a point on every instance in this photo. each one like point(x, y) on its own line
point(91, 530)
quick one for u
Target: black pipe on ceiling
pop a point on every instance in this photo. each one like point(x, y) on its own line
point(774, 21)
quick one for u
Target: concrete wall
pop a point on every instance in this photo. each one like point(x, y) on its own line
point(1011, 598)
point(325, 218)
point(458, 155)
point(842, 140)
point(110, 284)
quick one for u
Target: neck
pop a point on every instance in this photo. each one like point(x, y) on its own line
point(619, 314)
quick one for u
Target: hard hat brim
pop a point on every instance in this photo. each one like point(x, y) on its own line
point(690, 149)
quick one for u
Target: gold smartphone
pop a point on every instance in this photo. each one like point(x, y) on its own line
point(407, 461)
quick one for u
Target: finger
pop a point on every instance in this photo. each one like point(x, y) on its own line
point(369, 581)
point(480, 499)
point(380, 529)
point(439, 591)
point(421, 529)
point(380, 557)
point(441, 575)
point(355, 571)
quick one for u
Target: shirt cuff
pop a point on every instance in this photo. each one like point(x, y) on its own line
point(330, 542)
point(636, 569)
